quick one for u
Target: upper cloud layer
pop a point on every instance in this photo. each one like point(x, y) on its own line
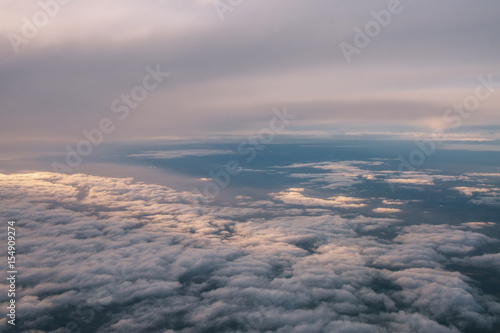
point(227, 75)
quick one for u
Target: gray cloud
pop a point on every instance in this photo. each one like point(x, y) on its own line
point(181, 153)
point(226, 76)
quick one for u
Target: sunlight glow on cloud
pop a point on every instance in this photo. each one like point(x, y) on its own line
point(412, 181)
point(384, 210)
point(294, 197)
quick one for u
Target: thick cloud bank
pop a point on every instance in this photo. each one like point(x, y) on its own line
point(112, 255)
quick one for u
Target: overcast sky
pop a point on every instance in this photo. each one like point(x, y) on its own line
point(226, 76)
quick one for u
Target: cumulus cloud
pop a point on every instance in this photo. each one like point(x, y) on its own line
point(110, 254)
point(483, 174)
point(343, 174)
point(490, 260)
point(412, 181)
point(487, 200)
point(481, 195)
point(383, 210)
point(478, 225)
point(471, 190)
point(339, 174)
point(295, 196)
point(394, 202)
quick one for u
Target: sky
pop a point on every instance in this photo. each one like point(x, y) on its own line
point(229, 66)
point(268, 166)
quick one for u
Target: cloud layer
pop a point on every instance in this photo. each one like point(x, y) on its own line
point(227, 75)
point(108, 254)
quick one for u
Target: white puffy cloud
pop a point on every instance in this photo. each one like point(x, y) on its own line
point(490, 260)
point(344, 174)
point(481, 195)
point(294, 197)
point(471, 190)
point(339, 174)
point(383, 210)
point(478, 225)
point(483, 174)
point(109, 254)
point(394, 202)
point(413, 181)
